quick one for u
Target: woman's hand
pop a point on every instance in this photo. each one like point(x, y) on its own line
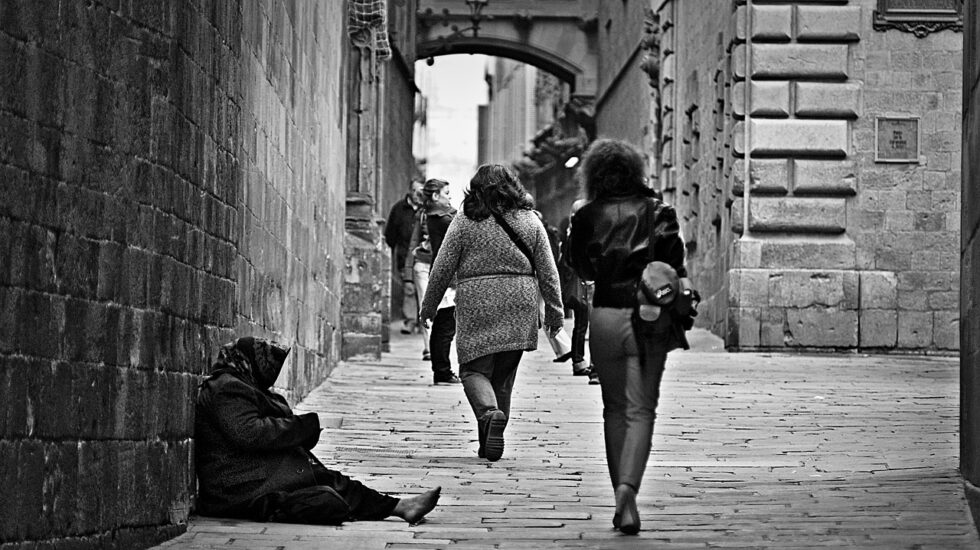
point(553, 331)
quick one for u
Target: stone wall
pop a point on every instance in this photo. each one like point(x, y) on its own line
point(170, 178)
point(291, 71)
point(840, 251)
point(397, 160)
point(695, 155)
point(380, 161)
point(622, 103)
point(905, 219)
point(969, 254)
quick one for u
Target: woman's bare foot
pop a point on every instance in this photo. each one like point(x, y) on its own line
point(413, 509)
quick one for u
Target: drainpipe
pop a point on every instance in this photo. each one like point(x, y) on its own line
point(379, 174)
point(747, 129)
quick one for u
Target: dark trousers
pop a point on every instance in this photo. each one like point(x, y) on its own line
point(335, 499)
point(441, 339)
point(581, 311)
point(489, 380)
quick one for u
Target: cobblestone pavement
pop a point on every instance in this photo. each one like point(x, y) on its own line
point(750, 451)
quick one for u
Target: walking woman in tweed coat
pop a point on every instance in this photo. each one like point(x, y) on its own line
point(497, 286)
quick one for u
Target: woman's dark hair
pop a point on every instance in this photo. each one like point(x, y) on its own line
point(494, 188)
point(612, 167)
point(432, 185)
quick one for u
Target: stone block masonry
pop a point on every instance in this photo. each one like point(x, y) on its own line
point(171, 181)
point(807, 92)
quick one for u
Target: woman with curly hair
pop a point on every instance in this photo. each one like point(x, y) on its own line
point(499, 254)
point(612, 239)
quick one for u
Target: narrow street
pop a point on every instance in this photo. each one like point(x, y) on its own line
point(750, 451)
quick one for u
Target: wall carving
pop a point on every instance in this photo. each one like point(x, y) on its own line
point(919, 17)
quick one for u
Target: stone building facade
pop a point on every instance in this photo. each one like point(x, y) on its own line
point(176, 175)
point(811, 148)
point(524, 130)
point(380, 95)
point(830, 245)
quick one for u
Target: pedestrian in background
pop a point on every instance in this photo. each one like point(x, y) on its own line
point(577, 296)
point(499, 255)
point(560, 342)
point(253, 454)
point(437, 214)
point(613, 238)
point(398, 233)
point(418, 263)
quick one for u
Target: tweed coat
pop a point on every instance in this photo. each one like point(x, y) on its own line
point(496, 294)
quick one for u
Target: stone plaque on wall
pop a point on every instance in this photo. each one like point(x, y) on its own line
point(897, 139)
point(919, 17)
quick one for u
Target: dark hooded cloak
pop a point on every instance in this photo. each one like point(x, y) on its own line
point(248, 441)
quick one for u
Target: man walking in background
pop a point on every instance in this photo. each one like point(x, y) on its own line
point(398, 233)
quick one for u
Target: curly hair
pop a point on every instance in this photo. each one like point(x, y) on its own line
point(495, 189)
point(612, 167)
point(431, 185)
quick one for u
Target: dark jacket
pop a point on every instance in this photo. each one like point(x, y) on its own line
point(398, 229)
point(612, 239)
point(575, 292)
point(248, 442)
point(437, 222)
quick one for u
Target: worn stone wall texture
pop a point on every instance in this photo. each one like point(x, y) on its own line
point(291, 71)
point(840, 251)
point(623, 94)
point(397, 161)
point(969, 258)
point(696, 156)
point(169, 185)
point(905, 219)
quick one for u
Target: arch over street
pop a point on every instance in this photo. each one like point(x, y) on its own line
point(554, 35)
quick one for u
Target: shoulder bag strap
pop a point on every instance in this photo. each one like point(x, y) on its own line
point(651, 226)
point(517, 240)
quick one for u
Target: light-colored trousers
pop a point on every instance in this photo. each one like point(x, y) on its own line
point(420, 271)
point(630, 391)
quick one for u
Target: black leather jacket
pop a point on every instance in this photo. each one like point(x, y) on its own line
point(613, 238)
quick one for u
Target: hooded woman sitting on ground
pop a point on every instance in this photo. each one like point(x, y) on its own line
point(253, 454)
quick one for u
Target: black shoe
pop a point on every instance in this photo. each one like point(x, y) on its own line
point(426, 356)
point(445, 380)
point(493, 447)
point(629, 517)
point(579, 368)
point(593, 376)
point(562, 358)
